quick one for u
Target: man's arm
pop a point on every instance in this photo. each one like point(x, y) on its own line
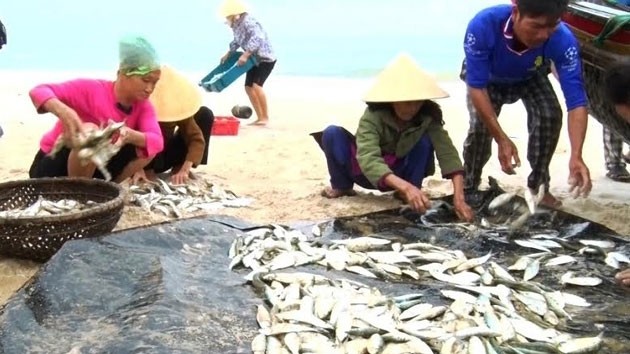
point(566, 57)
point(578, 122)
point(485, 111)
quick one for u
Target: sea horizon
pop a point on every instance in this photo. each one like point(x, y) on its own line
point(325, 38)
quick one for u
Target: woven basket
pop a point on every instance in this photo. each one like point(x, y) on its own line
point(39, 238)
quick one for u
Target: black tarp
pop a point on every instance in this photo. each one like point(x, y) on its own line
point(167, 288)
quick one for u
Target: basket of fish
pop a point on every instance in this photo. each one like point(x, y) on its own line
point(37, 216)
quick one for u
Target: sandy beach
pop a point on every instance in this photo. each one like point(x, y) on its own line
point(283, 169)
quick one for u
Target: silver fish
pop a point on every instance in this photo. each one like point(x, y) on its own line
point(501, 200)
point(568, 278)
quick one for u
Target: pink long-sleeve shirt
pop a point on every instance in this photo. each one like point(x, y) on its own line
point(95, 102)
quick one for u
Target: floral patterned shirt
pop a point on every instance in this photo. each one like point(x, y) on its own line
point(249, 35)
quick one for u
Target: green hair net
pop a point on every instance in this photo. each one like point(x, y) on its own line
point(137, 56)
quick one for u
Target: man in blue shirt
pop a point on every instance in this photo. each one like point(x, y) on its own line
point(509, 49)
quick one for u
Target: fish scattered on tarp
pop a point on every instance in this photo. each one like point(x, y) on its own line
point(307, 312)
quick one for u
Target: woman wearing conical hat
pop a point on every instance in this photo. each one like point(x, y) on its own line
point(397, 138)
point(185, 126)
point(252, 38)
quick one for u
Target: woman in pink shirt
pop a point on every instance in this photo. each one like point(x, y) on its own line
point(84, 104)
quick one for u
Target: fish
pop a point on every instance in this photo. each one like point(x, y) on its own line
point(531, 270)
point(179, 201)
point(313, 313)
point(581, 345)
point(94, 146)
point(530, 200)
point(500, 200)
point(613, 259)
point(560, 260)
point(598, 243)
point(362, 243)
point(568, 278)
point(533, 245)
point(46, 207)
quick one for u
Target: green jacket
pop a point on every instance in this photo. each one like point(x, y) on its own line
point(378, 133)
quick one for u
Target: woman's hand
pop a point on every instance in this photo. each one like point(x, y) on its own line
point(72, 125)
point(417, 200)
point(225, 57)
point(182, 175)
point(463, 210)
point(139, 176)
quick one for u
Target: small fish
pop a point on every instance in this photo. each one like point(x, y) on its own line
point(530, 200)
point(581, 345)
point(530, 244)
point(562, 259)
point(362, 243)
point(259, 344)
point(521, 263)
point(598, 243)
point(532, 270)
point(361, 271)
point(613, 259)
point(472, 263)
point(501, 200)
point(568, 278)
point(574, 300)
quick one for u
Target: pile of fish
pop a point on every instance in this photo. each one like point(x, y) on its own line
point(177, 201)
point(491, 311)
point(95, 146)
point(45, 207)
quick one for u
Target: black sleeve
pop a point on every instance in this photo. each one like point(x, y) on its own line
point(3, 35)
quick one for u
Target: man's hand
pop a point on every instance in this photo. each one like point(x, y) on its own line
point(416, 199)
point(508, 155)
point(579, 178)
point(623, 277)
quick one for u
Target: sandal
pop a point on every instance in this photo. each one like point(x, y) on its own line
point(332, 193)
point(618, 174)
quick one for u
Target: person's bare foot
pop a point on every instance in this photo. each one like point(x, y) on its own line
point(332, 193)
point(549, 201)
point(259, 122)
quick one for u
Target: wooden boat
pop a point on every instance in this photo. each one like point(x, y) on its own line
point(587, 20)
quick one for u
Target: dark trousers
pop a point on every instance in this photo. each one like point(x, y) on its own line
point(47, 166)
point(340, 149)
point(544, 122)
point(175, 149)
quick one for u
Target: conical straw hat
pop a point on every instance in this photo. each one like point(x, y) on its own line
point(403, 80)
point(174, 97)
point(232, 7)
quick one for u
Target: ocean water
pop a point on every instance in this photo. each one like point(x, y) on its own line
point(341, 38)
